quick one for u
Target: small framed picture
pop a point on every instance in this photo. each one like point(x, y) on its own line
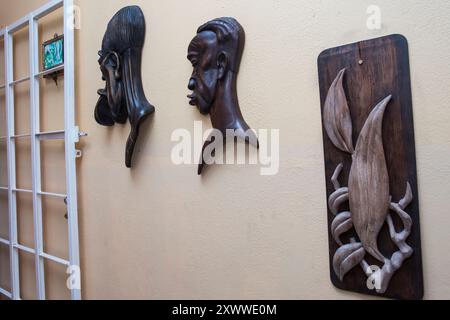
point(53, 53)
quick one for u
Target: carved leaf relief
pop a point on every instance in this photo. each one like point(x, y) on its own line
point(369, 182)
point(347, 257)
point(368, 192)
point(337, 119)
point(341, 224)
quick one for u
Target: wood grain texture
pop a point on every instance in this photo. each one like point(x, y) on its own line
point(384, 71)
point(368, 185)
point(336, 115)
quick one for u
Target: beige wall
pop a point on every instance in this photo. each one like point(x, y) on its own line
point(160, 231)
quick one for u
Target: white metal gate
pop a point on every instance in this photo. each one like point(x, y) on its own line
point(70, 134)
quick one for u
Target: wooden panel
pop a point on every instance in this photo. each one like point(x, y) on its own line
point(375, 69)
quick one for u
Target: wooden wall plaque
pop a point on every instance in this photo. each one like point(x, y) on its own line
point(370, 163)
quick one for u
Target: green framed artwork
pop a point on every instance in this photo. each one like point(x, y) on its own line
point(53, 53)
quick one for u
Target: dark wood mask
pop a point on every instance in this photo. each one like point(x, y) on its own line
point(120, 62)
point(215, 54)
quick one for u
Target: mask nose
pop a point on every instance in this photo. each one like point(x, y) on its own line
point(191, 85)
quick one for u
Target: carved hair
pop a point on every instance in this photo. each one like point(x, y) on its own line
point(230, 34)
point(125, 30)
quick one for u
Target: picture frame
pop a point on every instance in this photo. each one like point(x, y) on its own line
point(53, 53)
point(53, 56)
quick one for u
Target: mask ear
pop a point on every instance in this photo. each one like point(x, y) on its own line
point(115, 57)
point(222, 64)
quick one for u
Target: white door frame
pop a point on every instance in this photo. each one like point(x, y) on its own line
point(70, 134)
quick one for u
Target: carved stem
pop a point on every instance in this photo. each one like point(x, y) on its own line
point(399, 238)
point(340, 195)
point(335, 177)
point(384, 275)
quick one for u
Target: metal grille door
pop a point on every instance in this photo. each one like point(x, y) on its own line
point(69, 133)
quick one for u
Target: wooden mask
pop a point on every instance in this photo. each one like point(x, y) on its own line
point(215, 54)
point(120, 62)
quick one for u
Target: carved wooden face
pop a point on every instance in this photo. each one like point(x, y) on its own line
point(204, 55)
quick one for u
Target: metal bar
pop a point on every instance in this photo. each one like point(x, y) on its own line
point(11, 155)
point(47, 8)
point(71, 133)
point(25, 135)
point(19, 24)
point(16, 82)
point(51, 135)
point(55, 259)
point(25, 249)
point(36, 157)
point(52, 70)
point(22, 190)
point(2, 86)
point(4, 241)
point(6, 293)
point(51, 194)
